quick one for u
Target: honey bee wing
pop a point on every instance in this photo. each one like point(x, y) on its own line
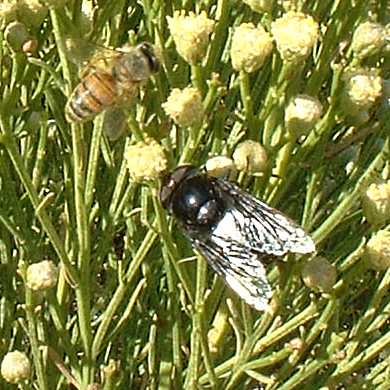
point(115, 123)
point(264, 228)
point(241, 269)
point(89, 56)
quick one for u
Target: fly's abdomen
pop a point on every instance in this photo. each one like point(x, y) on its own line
point(93, 94)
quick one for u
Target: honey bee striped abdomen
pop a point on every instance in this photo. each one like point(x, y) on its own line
point(92, 95)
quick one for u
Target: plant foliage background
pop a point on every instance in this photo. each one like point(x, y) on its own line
point(133, 308)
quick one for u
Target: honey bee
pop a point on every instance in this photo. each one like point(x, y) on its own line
point(111, 79)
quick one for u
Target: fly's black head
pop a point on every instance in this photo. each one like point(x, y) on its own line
point(192, 198)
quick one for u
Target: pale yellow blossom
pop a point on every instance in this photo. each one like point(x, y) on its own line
point(42, 275)
point(368, 39)
point(378, 250)
point(295, 34)
point(376, 203)
point(250, 156)
point(191, 34)
point(302, 113)
point(15, 367)
point(184, 106)
point(250, 47)
point(145, 160)
point(362, 88)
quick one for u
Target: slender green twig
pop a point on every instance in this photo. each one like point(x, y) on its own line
point(82, 290)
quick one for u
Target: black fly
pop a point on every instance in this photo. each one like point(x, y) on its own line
point(234, 231)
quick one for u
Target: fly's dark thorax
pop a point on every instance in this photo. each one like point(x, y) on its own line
point(197, 204)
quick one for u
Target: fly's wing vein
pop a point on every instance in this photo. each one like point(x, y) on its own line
point(243, 271)
point(265, 229)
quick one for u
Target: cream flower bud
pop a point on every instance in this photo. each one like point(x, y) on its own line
point(250, 156)
point(319, 274)
point(220, 166)
point(42, 275)
point(15, 367)
point(362, 89)
point(191, 34)
point(376, 203)
point(368, 39)
point(260, 5)
point(302, 113)
point(184, 106)
point(250, 47)
point(378, 250)
point(145, 160)
point(295, 34)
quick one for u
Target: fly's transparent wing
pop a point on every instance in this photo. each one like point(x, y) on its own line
point(249, 233)
point(241, 269)
point(262, 228)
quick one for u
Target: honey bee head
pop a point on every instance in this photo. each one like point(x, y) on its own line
point(147, 49)
point(136, 64)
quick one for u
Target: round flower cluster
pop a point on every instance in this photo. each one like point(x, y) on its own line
point(319, 274)
point(302, 113)
point(250, 156)
point(145, 160)
point(191, 34)
point(184, 106)
point(15, 367)
point(364, 89)
point(376, 203)
point(295, 34)
point(42, 275)
point(368, 39)
point(378, 250)
point(250, 47)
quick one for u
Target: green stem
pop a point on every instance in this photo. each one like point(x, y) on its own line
point(306, 315)
point(192, 379)
point(120, 292)
point(311, 369)
point(348, 366)
point(344, 206)
point(173, 304)
point(93, 162)
point(7, 140)
point(198, 79)
point(320, 325)
point(33, 337)
point(83, 256)
point(246, 99)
